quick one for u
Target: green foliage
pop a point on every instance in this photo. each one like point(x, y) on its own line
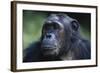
point(32, 25)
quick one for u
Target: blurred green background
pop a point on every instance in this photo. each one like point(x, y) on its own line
point(33, 22)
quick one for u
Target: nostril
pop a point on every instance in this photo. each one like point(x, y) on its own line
point(48, 36)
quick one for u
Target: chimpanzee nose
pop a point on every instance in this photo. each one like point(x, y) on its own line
point(48, 35)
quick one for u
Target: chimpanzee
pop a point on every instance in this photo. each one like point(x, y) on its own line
point(60, 40)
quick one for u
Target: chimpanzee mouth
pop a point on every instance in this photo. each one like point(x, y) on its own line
point(48, 47)
point(48, 51)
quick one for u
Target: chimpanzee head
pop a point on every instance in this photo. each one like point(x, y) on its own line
point(57, 33)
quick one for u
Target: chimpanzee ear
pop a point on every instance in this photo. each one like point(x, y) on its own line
point(75, 25)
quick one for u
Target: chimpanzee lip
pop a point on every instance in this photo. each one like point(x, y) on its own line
point(48, 47)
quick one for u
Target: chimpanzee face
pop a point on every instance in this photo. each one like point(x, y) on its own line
point(57, 31)
point(52, 36)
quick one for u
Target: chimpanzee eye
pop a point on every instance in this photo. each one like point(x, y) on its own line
point(50, 27)
point(56, 26)
point(46, 27)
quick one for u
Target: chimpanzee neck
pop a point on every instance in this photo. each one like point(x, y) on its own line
point(50, 58)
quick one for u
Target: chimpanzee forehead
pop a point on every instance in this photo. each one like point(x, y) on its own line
point(63, 18)
point(52, 17)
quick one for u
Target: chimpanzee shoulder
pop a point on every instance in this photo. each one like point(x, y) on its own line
point(82, 49)
point(32, 53)
point(85, 49)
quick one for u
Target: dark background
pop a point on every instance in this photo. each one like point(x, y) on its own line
point(33, 22)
